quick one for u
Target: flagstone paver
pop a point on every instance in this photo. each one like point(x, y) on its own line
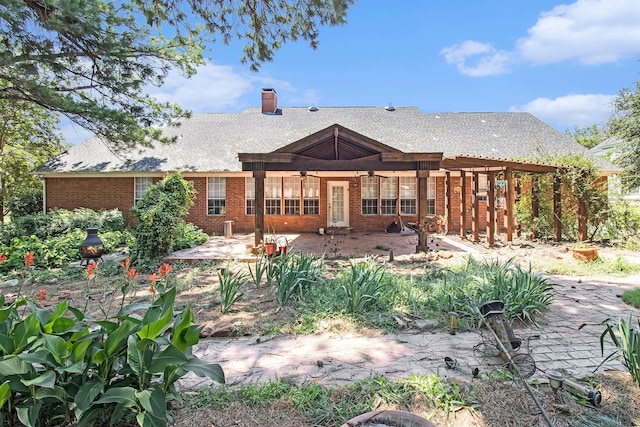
point(557, 344)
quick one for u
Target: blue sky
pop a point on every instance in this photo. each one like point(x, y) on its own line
point(562, 61)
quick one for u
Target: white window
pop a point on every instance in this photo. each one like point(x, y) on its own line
point(408, 195)
point(141, 185)
point(311, 195)
point(250, 195)
point(482, 187)
point(431, 196)
point(291, 190)
point(369, 195)
point(273, 195)
point(216, 195)
point(388, 195)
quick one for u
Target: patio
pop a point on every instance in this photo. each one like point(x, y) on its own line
point(332, 244)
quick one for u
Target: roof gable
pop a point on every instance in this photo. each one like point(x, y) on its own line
point(336, 143)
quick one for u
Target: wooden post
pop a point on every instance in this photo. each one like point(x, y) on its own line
point(535, 206)
point(259, 175)
point(447, 203)
point(491, 208)
point(463, 205)
point(508, 201)
point(582, 220)
point(557, 210)
point(423, 194)
point(475, 208)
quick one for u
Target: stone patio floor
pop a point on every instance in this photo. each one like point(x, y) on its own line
point(556, 344)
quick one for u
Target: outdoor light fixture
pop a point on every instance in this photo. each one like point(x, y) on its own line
point(555, 380)
point(91, 248)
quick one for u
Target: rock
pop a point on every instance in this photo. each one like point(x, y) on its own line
point(425, 324)
point(223, 332)
point(12, 282)
point(445, 254)
point(206, 332)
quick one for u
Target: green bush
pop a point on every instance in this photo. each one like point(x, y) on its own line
point(293, 274)
point(160, 214)
point(627, 342)
point(362, 285)
point(55, 252)
point(60, 370)
point(60, 221)
point(188, 236)
point(25, 202)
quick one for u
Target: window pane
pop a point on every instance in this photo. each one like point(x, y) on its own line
point(408, 195)
point(273, 195)
point(216, 195)
point(388, 195)
point(249, 195)
point(141, 185)
point(369, 195)
point(311, 195)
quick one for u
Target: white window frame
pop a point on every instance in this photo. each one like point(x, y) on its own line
point(389, 195)
point(273, 196)
point(291, 191)
point(482, 187)
point(216, 196)
point(311, 195)
point(250, 196)
point(431, 195)
point(369, 192)
point(408, 191)
point(140, 186)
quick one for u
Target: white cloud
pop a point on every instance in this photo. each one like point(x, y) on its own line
point(571, 110)
point(488, 60)
point(589, 31)
point(214, 88)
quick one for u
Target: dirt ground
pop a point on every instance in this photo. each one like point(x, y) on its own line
point(500, 404)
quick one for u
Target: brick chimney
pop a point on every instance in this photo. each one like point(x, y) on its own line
point(269, 101)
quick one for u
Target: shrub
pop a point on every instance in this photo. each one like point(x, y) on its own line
point(188, 236)
point(57, 370)
point(160, 214)
point(293, 274)
point(230, 284)
point(25, 202)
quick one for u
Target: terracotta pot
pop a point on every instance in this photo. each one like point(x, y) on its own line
point(389, 418)
point(269, 248)
point(283, 250)
point(585, 254)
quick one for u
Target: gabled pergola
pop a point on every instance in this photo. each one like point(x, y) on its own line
point(339, 149)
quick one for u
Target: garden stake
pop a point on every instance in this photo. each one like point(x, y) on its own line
point(516, 371)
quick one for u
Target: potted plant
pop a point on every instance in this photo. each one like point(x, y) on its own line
point(584, 252)
point(270, 245)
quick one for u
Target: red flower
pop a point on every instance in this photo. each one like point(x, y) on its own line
point(91, 269)
point(28, 259)
point(132, 274)
point(3, 258)
point(126, 264)
point(164, 269)
point(154, 278)
point(41, 295)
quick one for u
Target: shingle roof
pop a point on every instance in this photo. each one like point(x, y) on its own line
point(210, 142)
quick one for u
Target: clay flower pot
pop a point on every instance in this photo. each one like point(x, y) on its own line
point(389, 418)
point(270, 248)
point(585, 254)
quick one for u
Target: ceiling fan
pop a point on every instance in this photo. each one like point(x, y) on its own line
point(304, 174)
point(372, 174)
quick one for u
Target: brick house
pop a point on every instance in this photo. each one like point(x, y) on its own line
point(356, 167)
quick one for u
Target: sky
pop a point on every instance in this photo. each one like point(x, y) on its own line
point(564, 62)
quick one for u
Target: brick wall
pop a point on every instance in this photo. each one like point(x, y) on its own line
point(113, 192)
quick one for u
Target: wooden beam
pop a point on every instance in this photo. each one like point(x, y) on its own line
point(259, 175)
point(491, 208)
point(463, 204)
point(582, 220)
point(265, 157)
point(448, 211)
point(509, 200)
point(411, 157)
point(423, 194)
point(535, 206)
point(557, 209)
point(475, 208)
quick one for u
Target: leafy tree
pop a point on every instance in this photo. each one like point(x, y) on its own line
point(90, 60)
point(589, 136)
point(160, 214)
point(28, 137)
point(625, 124)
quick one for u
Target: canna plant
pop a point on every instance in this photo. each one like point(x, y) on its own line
point(59, 367)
